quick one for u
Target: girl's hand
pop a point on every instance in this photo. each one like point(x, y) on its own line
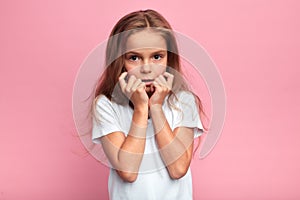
point(162, 87)
point(134, 89)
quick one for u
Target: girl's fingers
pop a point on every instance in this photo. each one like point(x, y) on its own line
point(141, 86)
point(162, 82)
point(136, 84)
point(170, 78)
point(122, 81)
point(167, 74)
point(157, 85)
point(130, 83)
point(162, 79)
point(152, 88)
point(158, 81)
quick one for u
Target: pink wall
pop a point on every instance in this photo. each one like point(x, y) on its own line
point(255, 45)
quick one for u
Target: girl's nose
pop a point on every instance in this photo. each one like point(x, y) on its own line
point(146, 68)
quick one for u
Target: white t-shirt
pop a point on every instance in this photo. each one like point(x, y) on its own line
point(153, 181)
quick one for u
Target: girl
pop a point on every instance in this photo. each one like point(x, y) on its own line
point(144, 115)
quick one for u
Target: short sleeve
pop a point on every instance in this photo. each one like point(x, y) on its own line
point(105, 120)
point(187, 113)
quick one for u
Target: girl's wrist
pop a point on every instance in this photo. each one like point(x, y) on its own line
point(155, 110)
point(140, 116)
point(142, 108)
point(155, 107)
point(158, 117)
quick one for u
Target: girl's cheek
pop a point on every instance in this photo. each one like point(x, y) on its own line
point(132, 64)
point(160, 69)
point(129, 67)
point(132, 69)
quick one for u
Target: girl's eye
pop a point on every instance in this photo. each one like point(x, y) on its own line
point(133, 58)
point(157, 57)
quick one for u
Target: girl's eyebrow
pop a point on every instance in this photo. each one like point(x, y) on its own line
point(160, 52)
point(132, 52)
point(156, 52)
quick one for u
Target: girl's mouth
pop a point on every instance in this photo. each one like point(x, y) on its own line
point(148, 81)
point(149, 87)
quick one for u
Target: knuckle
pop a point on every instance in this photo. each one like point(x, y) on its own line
point(127, 90)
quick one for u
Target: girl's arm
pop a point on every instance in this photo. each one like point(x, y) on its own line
point(175, 147)
point(126, 153)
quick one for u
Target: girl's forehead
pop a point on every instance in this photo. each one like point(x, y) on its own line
point(145, 40)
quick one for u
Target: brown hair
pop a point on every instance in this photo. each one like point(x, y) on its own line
point(114, 57)
point(114, 60)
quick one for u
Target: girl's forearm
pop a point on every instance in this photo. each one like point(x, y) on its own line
point(175, 147)
point(132, 150)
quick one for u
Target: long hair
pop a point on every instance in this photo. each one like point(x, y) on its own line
point(114, 57)
point(114, 60)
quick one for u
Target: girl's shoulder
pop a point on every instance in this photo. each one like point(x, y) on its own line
point(105, 103)
point(102, 100)
point(184, 95)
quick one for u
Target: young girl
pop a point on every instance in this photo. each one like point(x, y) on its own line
point(144, 115)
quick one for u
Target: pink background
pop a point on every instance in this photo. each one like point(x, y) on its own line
point(255, 45)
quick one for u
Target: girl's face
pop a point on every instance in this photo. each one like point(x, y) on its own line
point(146, 55)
